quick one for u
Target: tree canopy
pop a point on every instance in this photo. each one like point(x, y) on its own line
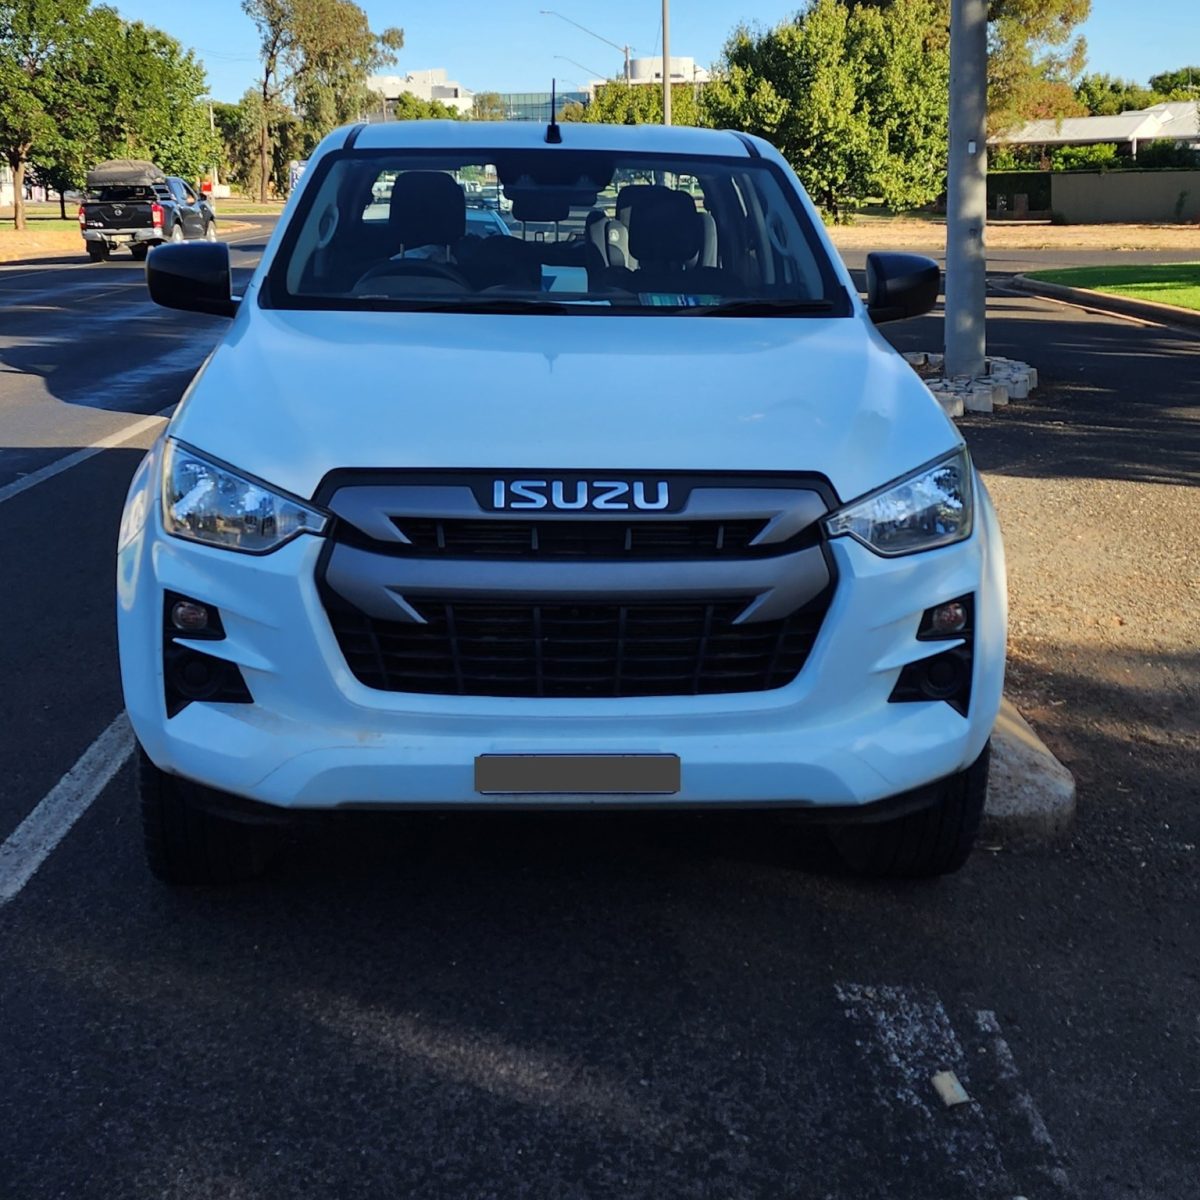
point(79, 84)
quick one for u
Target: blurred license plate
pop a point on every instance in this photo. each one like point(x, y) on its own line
point(577, 774)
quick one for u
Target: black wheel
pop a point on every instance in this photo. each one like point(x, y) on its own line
point(210, 231)
point(176, 234)
point(97, 252)
point(932, 841)
point(139, 250)
point(185, 844)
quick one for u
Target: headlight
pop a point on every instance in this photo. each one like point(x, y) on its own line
point(207, 502)
point(933, 506)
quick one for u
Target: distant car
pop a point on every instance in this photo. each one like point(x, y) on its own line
point(492, 197)
point(486, 222)
point(131, 203)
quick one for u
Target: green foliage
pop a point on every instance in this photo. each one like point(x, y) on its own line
point(1177, 85)
point(905, 90)
point(1106, 95)
point(1166, 155)
point(802, 86)
point(315, 55)
point(407, 107)
point(1085, 158)
point(619, 103)
point(1032, 57)
point(80, 84)
point(487, 106)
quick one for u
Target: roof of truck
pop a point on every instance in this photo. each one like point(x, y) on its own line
point(529, 135)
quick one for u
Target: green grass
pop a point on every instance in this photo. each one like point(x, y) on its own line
point(1164, 283)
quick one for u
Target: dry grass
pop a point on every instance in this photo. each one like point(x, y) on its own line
point(901, 233)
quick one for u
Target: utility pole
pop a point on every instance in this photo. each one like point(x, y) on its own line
point(966, 196)
point(549, 12)
point(212, 128)
point(666, 19)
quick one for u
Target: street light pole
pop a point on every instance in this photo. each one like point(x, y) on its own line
point(966, 192)
point(666, 48)
point(549, 12)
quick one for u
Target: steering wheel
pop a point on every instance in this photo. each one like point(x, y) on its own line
point(419, 267)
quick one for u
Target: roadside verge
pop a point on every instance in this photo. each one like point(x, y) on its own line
point(31, 245)
point(1124, 306)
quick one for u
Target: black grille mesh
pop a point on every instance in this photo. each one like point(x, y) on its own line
point(560, 538)
point(563, 649)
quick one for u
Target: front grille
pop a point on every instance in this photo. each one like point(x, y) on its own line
point(561, 649)
point(558, 538)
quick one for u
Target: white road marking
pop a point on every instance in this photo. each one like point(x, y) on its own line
point(913, 1031)
point(73, 460)
point(1007, 1067)
point(30, 844)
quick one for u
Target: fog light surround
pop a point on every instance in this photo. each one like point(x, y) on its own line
point(944, 677)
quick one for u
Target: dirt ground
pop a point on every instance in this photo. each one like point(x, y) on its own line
point(32, 244)
point(904, 232)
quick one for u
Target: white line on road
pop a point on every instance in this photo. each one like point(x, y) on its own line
point(73, 460)
point(30, 844)
point(1006, 1066)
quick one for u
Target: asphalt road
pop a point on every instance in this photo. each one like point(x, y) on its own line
point(564, 1005)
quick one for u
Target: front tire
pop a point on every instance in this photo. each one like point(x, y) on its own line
point(176, 233)
point(210, 231)
point(186, 844)
point(919, 845)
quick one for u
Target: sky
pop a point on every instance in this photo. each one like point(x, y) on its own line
point(509, 46)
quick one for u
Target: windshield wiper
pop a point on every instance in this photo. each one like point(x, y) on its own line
point(760, 308)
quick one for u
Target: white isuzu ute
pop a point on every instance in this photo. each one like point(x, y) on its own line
point(628, 505)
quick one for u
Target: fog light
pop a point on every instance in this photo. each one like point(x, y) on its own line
point(948, 618)
point(188, 616)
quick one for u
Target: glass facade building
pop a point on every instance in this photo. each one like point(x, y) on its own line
point(535, 106)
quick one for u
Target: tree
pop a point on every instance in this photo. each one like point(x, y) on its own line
point(37, 39)
point(487, 106)
point(905, 93)
point(337, 53)
point(1032, 57)
point(802, 86)
point(1106, 95)
point(618, 103)
point(1178, 85)
point(318, 53)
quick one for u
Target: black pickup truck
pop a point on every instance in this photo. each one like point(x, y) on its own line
point(131, 202)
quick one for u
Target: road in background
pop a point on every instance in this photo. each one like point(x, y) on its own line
point(577, 1005)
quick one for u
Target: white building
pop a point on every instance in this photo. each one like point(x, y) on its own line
point(1175, 121)
point(425, 85)
point(650, 70)
point(6, 185)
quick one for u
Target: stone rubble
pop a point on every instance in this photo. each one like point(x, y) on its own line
point(1004, 379)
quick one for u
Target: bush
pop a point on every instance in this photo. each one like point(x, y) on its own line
point(1085, 158)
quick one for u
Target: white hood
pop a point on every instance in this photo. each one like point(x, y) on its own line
point(291, 395)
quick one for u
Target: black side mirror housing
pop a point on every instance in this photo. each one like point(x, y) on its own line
point(195, 278)
point(901, 286)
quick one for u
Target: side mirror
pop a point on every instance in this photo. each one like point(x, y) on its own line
point(193, 277)
point(900, 286)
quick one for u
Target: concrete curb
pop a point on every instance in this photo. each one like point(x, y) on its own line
point(1124, 306)
point(1031, 795)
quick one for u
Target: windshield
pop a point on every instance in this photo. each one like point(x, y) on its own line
point(585, 233)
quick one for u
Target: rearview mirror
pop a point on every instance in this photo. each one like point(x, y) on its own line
point(900, 286)
point(195, 278)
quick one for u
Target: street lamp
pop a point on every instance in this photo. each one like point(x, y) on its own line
point(549, 12)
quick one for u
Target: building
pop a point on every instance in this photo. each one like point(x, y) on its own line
point(535, 106)
point(425, 85)
point(6, 185)
point(647, 71)
point(1176, 121)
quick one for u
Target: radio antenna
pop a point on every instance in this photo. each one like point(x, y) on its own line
point(553, 133)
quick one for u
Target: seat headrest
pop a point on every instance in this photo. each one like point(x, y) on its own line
point(428, 209)
point(632, 195)
point(666, 229)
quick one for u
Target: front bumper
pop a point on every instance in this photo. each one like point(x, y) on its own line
point(316, 738)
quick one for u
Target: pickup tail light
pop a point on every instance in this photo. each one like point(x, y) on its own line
point(156, 215)
point(82, 217)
